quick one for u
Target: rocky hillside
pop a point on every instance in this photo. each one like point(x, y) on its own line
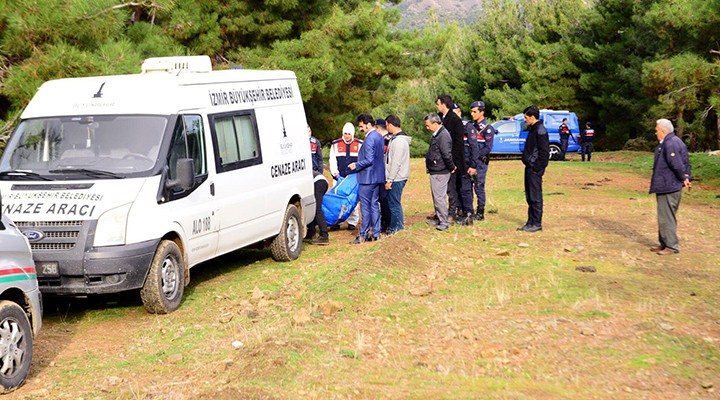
point(415, 13)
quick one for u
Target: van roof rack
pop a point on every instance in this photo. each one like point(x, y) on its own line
point(177, 64)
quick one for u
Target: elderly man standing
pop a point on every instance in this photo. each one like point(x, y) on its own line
point(671, 172)
point(439, 164)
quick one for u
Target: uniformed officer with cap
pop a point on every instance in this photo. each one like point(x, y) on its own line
point(586, 138)
point(464, 204)
point(316, 151)
point(486, 135)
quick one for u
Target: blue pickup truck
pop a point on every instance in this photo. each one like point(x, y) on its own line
point(512, 132)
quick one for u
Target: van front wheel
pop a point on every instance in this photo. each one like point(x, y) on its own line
point(554, 151)
point(165, 283)
point(287, 245)
point(16, 343)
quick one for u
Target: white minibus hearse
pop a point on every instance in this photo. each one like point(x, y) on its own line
point(126, 182)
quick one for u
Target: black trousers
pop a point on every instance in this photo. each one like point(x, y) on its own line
point(563, 147)
point(384, 209)
point(587, 149)
point(533, 196)
point(321, 187)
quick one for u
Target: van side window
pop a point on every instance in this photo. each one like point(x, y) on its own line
point(188, 142)
point(506, 128)
point(238, 145)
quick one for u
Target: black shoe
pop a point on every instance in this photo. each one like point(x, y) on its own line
point(533, 228)
point(433, 222)
point(350, 227)
point(334, 227)
point(523, 228)
point(359, 239)
point(320, 241)
point(479, 215)
point(467, 220)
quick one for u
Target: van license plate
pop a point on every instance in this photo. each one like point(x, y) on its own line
point(47, 269)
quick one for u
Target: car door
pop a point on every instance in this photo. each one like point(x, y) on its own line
point(507, 137)
point(194, 209)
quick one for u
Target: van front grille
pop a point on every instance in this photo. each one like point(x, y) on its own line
point(55, 235)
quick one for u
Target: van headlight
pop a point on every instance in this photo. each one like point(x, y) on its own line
point(111, 226)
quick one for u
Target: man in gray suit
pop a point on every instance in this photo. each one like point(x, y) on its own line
point(439, 164)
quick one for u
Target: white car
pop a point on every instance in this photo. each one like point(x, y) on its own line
point(20, 306)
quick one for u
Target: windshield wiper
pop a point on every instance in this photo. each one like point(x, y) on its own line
point(87, 171)
point(24, 173)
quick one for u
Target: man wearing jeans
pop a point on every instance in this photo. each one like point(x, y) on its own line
point(671, 172)
point(397, 171)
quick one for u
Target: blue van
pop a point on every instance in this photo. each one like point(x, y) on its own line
point(512, 132)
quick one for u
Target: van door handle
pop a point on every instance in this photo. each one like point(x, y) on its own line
point(212, 189)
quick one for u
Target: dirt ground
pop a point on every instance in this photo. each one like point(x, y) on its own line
point(579, 310)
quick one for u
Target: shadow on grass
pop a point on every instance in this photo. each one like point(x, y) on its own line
point(621, 229)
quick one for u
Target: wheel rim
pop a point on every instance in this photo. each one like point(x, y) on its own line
point(554, 151)
point(12, 343)
point(169, 278)
point(293, 234)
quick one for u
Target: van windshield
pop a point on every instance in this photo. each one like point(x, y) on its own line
point(110, 146)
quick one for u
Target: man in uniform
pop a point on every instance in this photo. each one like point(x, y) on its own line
point(486, 135)
point(316, 151)
point(535, 157)
point(472, 159)
point(586, 138)
point(343, 152)
point(319, 223)
point(564, 132)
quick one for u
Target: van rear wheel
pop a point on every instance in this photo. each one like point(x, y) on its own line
point(554, 151)
point(165, 283)
point(16, 341)
point(287, 245)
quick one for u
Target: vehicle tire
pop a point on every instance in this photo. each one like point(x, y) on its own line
point(287, 245)
point(554, 151)
point(165, 284)
point(16, 342)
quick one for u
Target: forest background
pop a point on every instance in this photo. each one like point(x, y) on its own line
point(619, 63)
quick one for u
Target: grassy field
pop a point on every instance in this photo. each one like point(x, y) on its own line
point(581, 310)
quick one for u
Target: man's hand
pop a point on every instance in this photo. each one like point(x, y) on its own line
point(388, 185)
point(352, 166)
point(453, 171)
point(472, 171)
point(687, 184)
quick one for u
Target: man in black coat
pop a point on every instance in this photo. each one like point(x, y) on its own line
point(459, 189)
point(671, 172)
point(535, 156)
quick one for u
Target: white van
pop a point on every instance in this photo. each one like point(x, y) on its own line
point(126, 182)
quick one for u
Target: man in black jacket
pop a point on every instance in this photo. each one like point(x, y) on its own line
point(535, 157)
point(439, 164)
point(671, 173)
point(459, 189)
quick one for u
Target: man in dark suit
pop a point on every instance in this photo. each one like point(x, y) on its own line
point(370, 168)
point(460, 186)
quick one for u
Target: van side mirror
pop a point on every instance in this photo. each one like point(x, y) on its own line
point(185, 169)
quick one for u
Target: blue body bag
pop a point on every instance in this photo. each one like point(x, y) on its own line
point(341, 200)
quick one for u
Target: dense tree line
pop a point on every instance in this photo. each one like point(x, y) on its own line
point(619, 63)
